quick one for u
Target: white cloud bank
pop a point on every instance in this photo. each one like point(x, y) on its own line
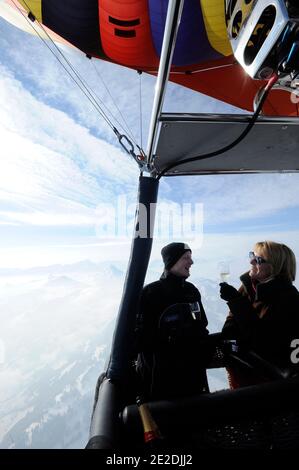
point(52, 169)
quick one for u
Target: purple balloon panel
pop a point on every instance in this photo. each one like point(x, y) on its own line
point(192, 44)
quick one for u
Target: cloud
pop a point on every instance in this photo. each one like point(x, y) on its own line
point(23, 114)
point(232, 198)
point(53, 171)
point(118, 88)
point(49, 82)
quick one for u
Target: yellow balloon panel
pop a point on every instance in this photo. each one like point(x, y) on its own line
point(214, 18)
point(35, 6)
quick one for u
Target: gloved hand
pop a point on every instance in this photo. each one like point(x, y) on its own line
point(228, 292)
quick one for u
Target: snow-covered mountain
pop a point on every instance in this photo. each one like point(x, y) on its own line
point(56, 328)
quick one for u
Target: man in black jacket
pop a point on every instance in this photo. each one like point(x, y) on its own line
point(171, 324)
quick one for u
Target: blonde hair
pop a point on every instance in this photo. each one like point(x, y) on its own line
point(281, 258)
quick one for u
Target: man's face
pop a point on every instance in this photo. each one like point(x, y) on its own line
point(182, 267)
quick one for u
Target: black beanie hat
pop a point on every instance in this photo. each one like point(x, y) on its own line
point(171, 253)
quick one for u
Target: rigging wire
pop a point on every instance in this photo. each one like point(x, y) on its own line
point(193, 72)
point(264, 94)
point(83, 86)
point(125, 124)
point(140, 106)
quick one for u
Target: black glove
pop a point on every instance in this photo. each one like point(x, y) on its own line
point(228, 292)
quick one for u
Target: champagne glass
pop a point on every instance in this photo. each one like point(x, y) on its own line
point(224, 271)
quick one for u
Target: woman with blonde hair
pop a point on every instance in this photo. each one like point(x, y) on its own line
point(264, 312)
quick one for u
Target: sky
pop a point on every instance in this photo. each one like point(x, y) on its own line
point(64, 176)
point(67, 201)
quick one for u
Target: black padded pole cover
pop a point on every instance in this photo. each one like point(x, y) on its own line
point(139, 259)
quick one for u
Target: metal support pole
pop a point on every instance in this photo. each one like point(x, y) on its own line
point(174, 12)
